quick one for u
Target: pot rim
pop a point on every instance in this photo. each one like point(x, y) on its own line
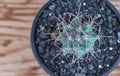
point(37, 57)
point(32, 40)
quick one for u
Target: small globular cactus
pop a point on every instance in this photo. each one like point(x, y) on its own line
point(77, 37)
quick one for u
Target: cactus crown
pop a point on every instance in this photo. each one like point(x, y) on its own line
point(77, 36)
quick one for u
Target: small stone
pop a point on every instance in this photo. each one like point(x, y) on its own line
point(110, 31)
point(72, 70)
point(80, 74)
point(93, 71)
point(110, 48)
point(103, 4)
point(111, 57)
point(84, 4)
point(41, 50)
point(43, 35)
point(102, 8)
point(90, 67)
point(110, 25)
point(99, 16)
point(86, 10)
point(79, 67)
point(110, 19)
point(50, 14)
point(107, 65)
point(98, 0)
point(64, 70)
point(91, 8)
point(51, 18)
point(100, 66)
point(112, 41)
point(101, 21)
point(53, 36)
point(51, 7)
point(114, 21)
point(108, 11)
point(71, 64)
point(118, 34)
point(99, 55)
point(104, 18)
point(45, 55)
point(42, 28)
point(118, 41)
point(45, 15)
point(77, 2)
point(62, 62)
point(66, 66)
point(84, 70)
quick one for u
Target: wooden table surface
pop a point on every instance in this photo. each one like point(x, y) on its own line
point(16, 18)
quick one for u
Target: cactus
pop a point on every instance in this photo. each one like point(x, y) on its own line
point(77, 37)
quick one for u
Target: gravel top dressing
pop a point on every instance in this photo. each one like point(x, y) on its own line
point(78, 37)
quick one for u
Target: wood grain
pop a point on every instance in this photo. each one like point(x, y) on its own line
point(16, 58)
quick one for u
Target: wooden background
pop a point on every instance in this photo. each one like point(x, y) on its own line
point(16, 18)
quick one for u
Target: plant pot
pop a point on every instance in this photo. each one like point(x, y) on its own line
point(52, 32)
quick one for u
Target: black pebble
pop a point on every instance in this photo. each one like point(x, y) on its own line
point(41, 49)
point(90, 67)
point(43, 35)
point(118, 34)
point(84, 70)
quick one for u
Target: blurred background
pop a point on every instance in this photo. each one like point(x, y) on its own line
point(16, 18)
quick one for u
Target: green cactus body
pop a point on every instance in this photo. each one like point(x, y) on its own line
point(77, 38)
